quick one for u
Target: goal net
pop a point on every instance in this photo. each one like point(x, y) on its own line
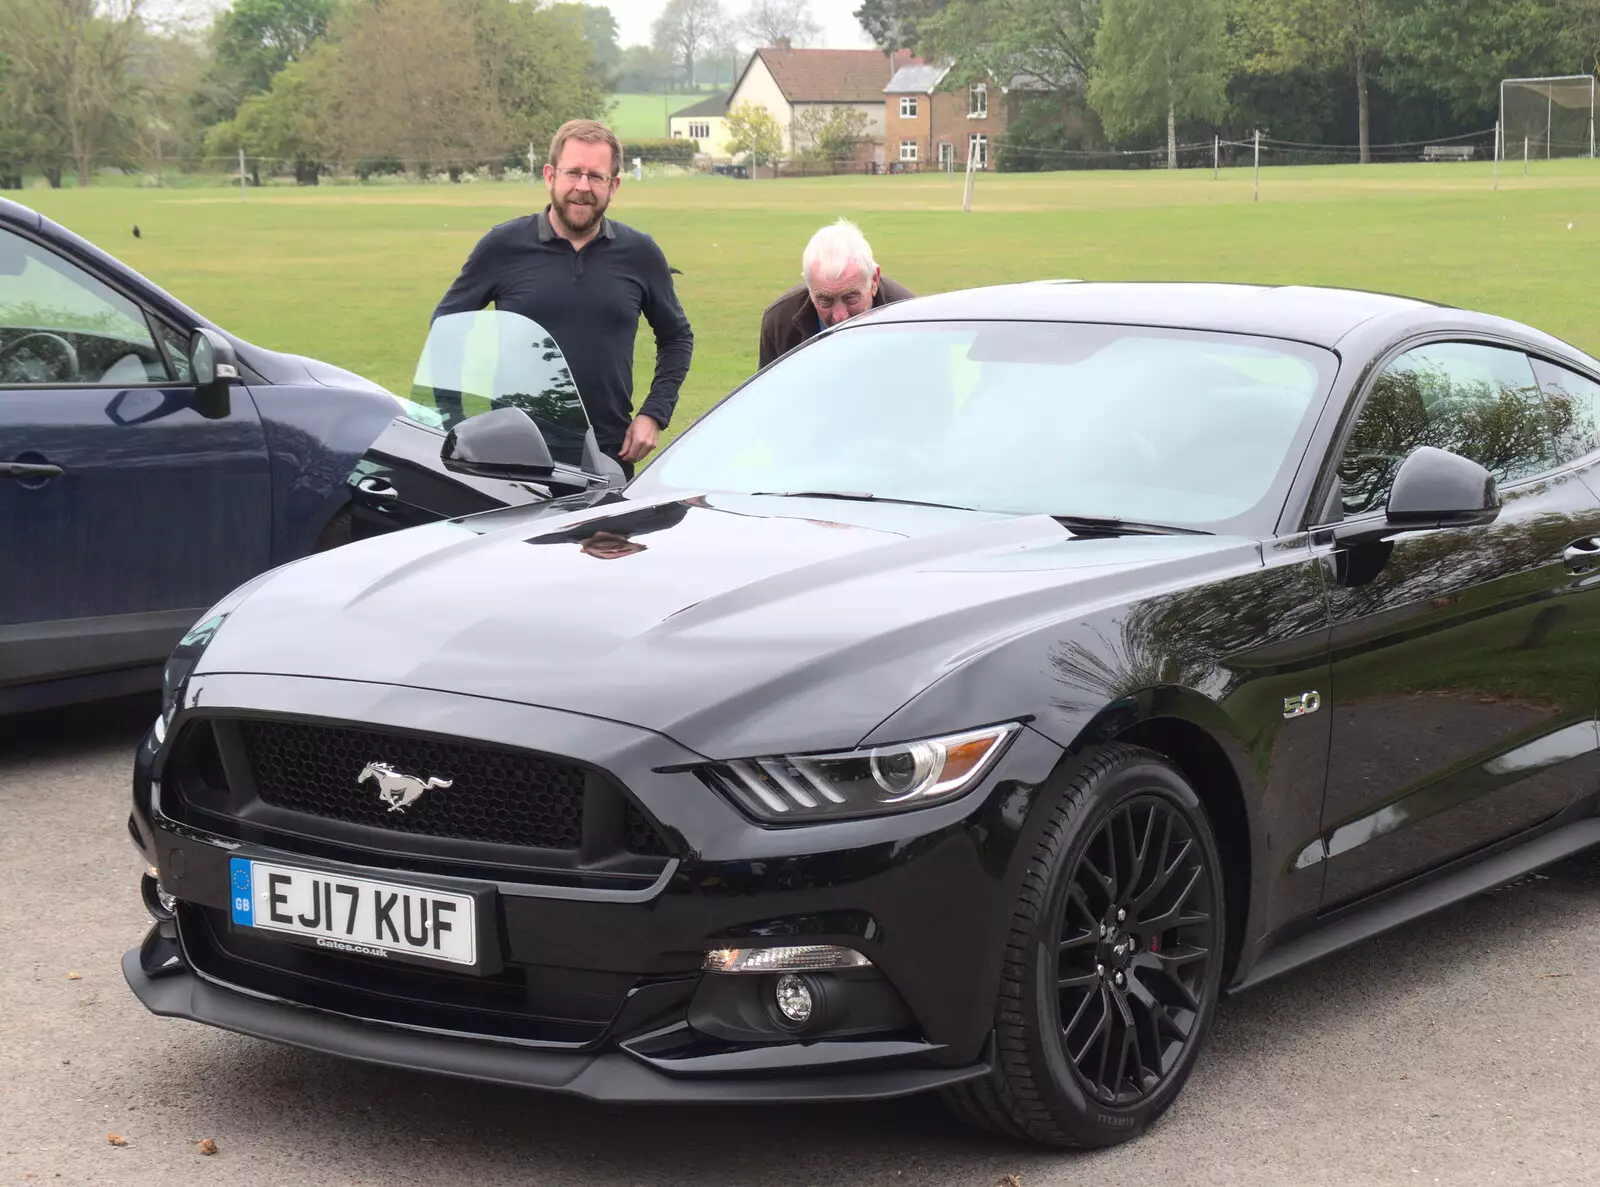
point(1554, 117)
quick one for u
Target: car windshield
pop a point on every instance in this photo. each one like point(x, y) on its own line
point(473, 362)
point(1158, 426)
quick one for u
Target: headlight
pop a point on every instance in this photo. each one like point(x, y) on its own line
point(180, 664)
point(870, 782)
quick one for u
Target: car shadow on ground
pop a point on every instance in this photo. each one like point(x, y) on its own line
point(70, 732)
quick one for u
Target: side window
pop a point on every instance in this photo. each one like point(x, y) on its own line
point(58, 324)
point(1482, 402)
point(177, 351)
point(1574, 403)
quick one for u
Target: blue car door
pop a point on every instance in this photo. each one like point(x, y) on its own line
point(124, 513)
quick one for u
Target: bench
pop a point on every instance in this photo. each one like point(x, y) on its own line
point(1449, 152)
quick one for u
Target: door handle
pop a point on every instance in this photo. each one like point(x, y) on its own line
point(31, 470)
point(1582, 555)
point(379, 490)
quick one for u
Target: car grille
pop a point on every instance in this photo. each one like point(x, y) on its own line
point(504, 797)
point(283, 775)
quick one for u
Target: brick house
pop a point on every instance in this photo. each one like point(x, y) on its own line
point(788, 82)
point(929, 124)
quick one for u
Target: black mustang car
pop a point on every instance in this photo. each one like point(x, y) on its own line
point(963, 704)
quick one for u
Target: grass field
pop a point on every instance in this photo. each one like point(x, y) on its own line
point(635, 117)
point(350, 274)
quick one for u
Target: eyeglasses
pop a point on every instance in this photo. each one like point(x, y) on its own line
point(574, 176)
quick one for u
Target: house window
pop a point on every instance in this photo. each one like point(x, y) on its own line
point(978, 101)
point(908, 150)
point(699, 131)
point(947, 152)
point(978, 150)
point(908, 107)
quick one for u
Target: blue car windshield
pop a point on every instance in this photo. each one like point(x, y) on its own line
point(1153, 425)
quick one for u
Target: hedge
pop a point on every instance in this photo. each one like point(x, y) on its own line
point(672, 151)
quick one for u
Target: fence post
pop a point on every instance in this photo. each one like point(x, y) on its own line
point(244, 195)
point(1257, 198)
point(530, 163)
point(1216, 155)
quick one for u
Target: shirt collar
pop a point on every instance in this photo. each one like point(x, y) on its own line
point(548, 232)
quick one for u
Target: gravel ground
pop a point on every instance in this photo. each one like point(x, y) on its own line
point(1460, 1050)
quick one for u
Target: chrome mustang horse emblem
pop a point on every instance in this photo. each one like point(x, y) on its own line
point(396, 788)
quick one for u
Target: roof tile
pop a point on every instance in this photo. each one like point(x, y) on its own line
point(828, 75)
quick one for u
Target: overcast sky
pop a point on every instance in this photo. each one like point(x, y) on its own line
point(839, 29)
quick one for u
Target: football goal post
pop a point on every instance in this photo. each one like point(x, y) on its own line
point(1554, 116)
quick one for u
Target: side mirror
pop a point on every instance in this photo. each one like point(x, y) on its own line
point(600, 464)
point(1434, 488)
point(213, 366)
point(503, 443)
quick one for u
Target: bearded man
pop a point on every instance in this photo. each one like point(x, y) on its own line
point(587, 279)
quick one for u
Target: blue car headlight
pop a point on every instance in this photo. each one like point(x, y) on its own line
point(802, 788)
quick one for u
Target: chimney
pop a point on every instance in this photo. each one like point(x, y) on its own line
point(782, 43)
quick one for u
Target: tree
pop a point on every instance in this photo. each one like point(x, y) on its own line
point(257, 38)
point(599, 30)
point(767, 22)
point(1160, 59)
point(410, 83)
point(896, 24)
point(1313, 32)
point(828, 133)
point(166, 69)
point(250, 43)
point(1581, 20)
point(69, 60)
point(538, 64)
point(643, 71)
point(753, 131)
point(293, 121)
point(684, 29)
point(19, 138)
point(1050, 40)
point(1459, 50)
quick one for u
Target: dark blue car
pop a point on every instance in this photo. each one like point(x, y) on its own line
point(135, 491)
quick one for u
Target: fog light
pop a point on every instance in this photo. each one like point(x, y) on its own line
point(801, 959)
point(794, 999)
point(166, 902)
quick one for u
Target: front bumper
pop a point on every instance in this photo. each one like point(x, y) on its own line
point(625, 1014)
point(827, 1072)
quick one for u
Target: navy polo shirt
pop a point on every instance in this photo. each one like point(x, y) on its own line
point(591, 302)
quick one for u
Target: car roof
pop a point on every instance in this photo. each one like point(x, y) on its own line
point(18, 213)
point(1321, 316)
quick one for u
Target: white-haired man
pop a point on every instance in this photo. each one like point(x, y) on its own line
point(839, 279)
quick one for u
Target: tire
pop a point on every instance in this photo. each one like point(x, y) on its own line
point(338, 531)
point(1122, 800)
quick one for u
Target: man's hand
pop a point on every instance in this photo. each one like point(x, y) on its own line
point(642, 436)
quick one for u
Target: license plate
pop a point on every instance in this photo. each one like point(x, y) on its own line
point(345, 914)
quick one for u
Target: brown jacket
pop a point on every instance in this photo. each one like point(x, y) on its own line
point(791, 319)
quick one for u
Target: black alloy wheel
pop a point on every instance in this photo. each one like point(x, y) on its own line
point(1114, 963)
point(1138, 939)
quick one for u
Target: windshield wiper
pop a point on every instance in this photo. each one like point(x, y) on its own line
point(1106, 524)
point(856, 496)
point(1125, 527)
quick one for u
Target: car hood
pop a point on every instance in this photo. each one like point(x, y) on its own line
point(732, 624)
